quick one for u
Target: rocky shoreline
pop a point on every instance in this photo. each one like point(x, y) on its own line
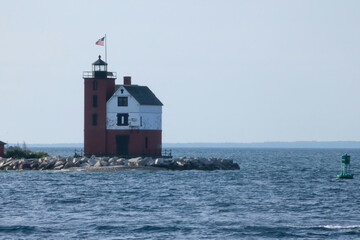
point(114, 163)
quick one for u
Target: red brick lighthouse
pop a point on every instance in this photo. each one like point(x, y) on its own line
point(122, 120)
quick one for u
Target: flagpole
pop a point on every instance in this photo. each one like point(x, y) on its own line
point(105, 48)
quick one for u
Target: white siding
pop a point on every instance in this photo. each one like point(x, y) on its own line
point(140, 116)
point(151, 121)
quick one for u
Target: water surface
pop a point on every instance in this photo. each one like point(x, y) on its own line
point(277, 193)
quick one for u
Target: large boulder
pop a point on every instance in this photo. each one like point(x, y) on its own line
point(92, 161)
point(59, 163)
point(142, 162)
point(113, 160)
point(85, 164)
point(149, 161)
point(134, 161)
point(72, 162)
point(59, 167)
point(97, 164)
point(26, 165)
point(104, 163)
point(6, 164)
point(159, 162)
point(50, 164)
point(121, 161)
point(34, 164)
point(84, 160)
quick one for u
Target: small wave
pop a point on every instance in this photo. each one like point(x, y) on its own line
point(152, 228)
point(340, 227)
point(298, 231)
point(65, 201)
point(271, 231)
point(17, 229)
point(110, 228)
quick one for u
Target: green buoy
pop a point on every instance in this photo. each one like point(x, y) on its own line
point(345, 167)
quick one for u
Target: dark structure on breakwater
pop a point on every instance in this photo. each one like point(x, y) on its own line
point(2, 149)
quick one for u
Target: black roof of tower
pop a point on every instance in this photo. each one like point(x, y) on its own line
point(99, 62)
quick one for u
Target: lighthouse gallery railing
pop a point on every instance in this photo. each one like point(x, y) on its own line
point(91, 74)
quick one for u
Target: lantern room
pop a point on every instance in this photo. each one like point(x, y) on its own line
point(99, 68)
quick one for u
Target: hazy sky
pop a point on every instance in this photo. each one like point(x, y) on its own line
point(226, 71)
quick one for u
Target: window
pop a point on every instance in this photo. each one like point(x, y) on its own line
point(122, 119)
point(140, 121)
point(95, 85)
point(146, 142)
point(95, 102)
point(100, 68)
point(122, 101)
point(94, 119)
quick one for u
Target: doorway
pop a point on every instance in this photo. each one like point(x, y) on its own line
point(122, 145)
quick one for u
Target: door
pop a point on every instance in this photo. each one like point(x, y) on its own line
point(122, 145)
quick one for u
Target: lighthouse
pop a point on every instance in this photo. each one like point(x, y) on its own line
point(119, 120)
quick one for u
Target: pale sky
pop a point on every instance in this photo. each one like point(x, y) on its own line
point(226, 71)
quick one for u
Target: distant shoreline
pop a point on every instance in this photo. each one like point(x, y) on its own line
point(296, 144)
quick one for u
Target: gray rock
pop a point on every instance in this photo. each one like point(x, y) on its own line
point(150, 162)
point(34, 164)
point(26, 165)
point(97, 164)
point(180, 163)
point(84, 160)
point(159, 161)
point(104, 163)
point(5, 164)
point(75, 162)
point(85, 164)
point(113, 160)
point(50, 164)
point(59, 167)
point(92, 161)
point(130, 164)
point(58, 163)
point(120, 161)
point(144, 162)
point(134, 161)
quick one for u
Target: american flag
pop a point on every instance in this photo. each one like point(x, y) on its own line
point(100, 41)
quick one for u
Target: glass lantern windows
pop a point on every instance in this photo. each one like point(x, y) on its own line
point(100, 68)
point(99, 65)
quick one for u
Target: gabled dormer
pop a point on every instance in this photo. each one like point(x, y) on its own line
point(133, 107)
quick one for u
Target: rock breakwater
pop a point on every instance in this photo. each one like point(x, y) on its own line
point(115, 163)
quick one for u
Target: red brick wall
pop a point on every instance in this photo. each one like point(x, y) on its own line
point(95, 136)
point(136, 142)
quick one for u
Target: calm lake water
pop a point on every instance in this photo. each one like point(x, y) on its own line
point(277, 194)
